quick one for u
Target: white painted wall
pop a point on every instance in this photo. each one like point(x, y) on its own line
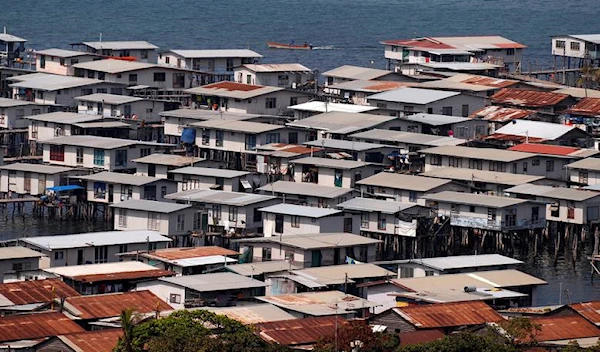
point(147, 110)
point(138, 220)
point(12, 117)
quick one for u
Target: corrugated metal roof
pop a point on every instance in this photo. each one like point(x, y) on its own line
point(209, 196)
point(589, 310)
point(305, 189)
point(419, 336)
point(200, 261)
point(319, 303)
point(34, 291)
point(233, 90)
point(445, 315)
point(331, 163)
point(475, 199)
point(401, 181)
point(202, 114)
point(50, 82)
point(120, 178)
point(214, 282)
point(579, 93)
point(320, 106)
point(167, 159)
point(7, 103)
point(112, 304)
point(461, 66)
point(104, 124)
point(470, 175)
point(593, 38)
point(115, 66)
point(260, 268)
point(300, 210)
point(586, 164)
point(92, 239)
point(376, 205)
point(342, 122)
point(5, 37)
point(250, 314)
point(553, 192)
point(108, 271)
point(566, 327)
point(369, 86)
point(336, 274)
point(479, 153)
point(529, 98)
point(61, 53)
point(344, 144)
point(112, 99)
point(407, 138)
point(121, 45)
point(292, 67)
point(100, 142)
point(586, 107)
point(216, 53)
point(467, 261)
point(469, 43)
point(172, 254)
point(18, 252)
point(300, 331)
point(150, 205)
point(37, 325)
point(122, 276)
point(537, 129)
point(64, 117)
point(37, 168)
point(207, 171)
point(316, 240)
point(499, 114)
point(356, 72)
point(237, 126)
point(413, 95)
point(435, 120)
point(552, 149)
point(93, 341)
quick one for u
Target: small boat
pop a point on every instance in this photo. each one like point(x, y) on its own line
point(275, 45)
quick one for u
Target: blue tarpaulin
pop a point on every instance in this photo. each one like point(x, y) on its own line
point(64, 188)
point(188, 135)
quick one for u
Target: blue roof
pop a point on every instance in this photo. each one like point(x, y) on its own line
point(63, 188)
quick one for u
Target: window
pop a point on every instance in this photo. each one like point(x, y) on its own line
point(197, 224)
point(293, 137)
point(465, 110)
point(272, 138)
point(364, 220)
point(575, 46)
point(278, 223)
point(570, 210)
point(219, 136)
point(229, 64)
point(381, 221)
point(21, 266)
point(250, 142)
point(491, 216)
point(167, 60)
point(560, 44)
point(475, 164)
point(180, 223)
point(233, 213)
point(270, 103)
point(283, 80)
point(583, 177)
point(454, 162)
point(152, 246)
point(471, 208)
point(126, 192)
point(412, 196)
point(122, 217)
point(524, 167)
point(145, 151)
point(123, 248)
point(535, 162)
point(91, 74)
point(428, 272)
point(430, 110)
point(99, 190)
point(454, 208)
point(86, 91)
point(101, 254)
point(150, 192)
point(510, 217)
point(35, 112)
point(99, 157)
point(593, 213)
point(40, 94)
point(216, 212)
point(436, 160)
point(549, 165)
point(555, 210)
point(133, 78)
point(510, 51)
point(153, 222)
point(178, 80)
point(163, 191)
point(159, 77)
point(121, 157)
point(382, 105)
point(42, 61)
point(295, 221)
point(407, 272)
point(57, 152)
point(266, 253)
point(59, 255)
point(175, 298)
point(293, 101)
point(62, 61)
point(102, 76)
point(205, 137)
point(116, 91)
point(248, 79)
point(257, 215)
point(447, 110)
point(348, 225)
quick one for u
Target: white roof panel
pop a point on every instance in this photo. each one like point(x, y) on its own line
point(413, 95)
point(121, 45)
point(216, 53)
point(320, 106)
point(91, 239)
point(300, 210)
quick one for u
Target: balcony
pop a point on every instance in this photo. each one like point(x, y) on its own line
point(495, 225)
point(393, 55)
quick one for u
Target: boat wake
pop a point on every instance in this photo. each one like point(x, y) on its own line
point(326, 47)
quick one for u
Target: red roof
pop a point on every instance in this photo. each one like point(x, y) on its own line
point(36, 291)
point(449, 314)
point(111, 305)
point(427, 43)
point(586, 107)
point(231, 86)
point(529, 98)
point(500, 114)
point(514, 138)
point(383, 86)
point(589, 310)
point(34, 326)
point(94, 341)
point(192, 252)
point(127, 275)
point(489, 81)
point(419, 336)
point(299, 331)
point(543, 149)
point(566, 327)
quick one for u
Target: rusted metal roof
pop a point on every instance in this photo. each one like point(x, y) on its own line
point(111, 305)
point(93, 341)
point(564, 328)
point(231, 86)
point(514, 138)
point(528, 98)
point(35, 291)
point(419, 336)
point(449, 314)
point(383, 86)
point(490, 81)
point(586, 107)
point(419, 43)
point(544, 149)
point(589, 310)
point(33, 326)
point(500, 114)
point(299, 331)
point(193, 252)
point(129, 275)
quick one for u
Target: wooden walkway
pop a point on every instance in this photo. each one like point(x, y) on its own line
point(18, 200)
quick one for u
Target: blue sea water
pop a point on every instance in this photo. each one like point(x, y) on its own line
point(350, 29)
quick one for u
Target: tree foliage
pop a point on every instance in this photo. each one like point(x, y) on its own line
point(194, 331)
point(464, 342)
point(358, 330)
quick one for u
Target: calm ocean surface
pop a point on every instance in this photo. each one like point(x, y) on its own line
point(350, 29)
